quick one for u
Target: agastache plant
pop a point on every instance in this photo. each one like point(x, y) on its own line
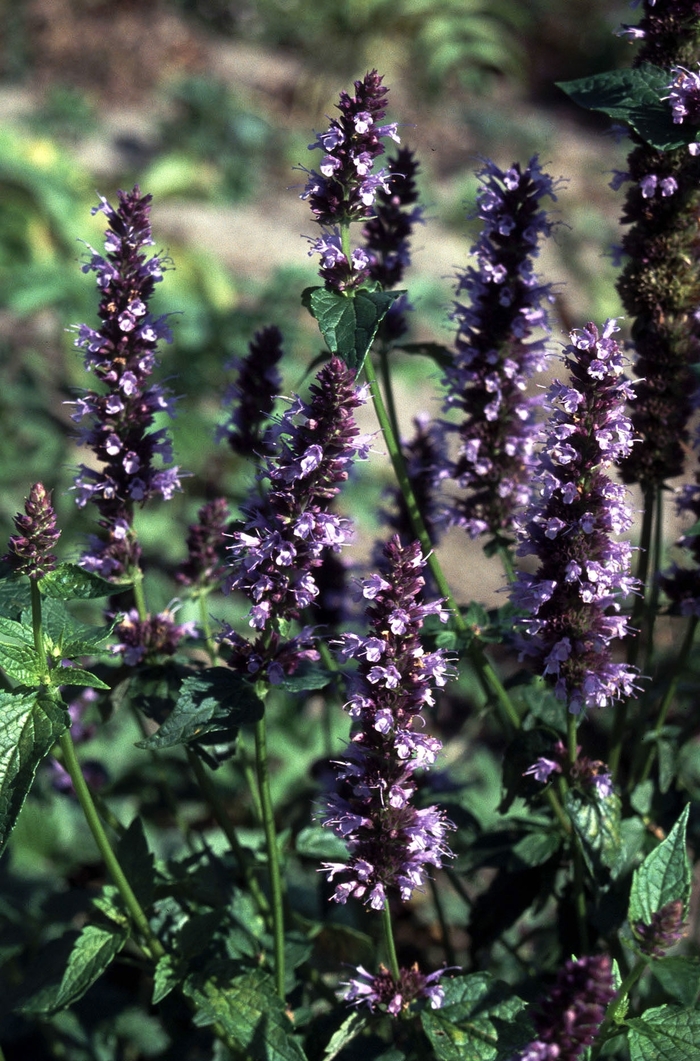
point(309, 841)
point(502, 322)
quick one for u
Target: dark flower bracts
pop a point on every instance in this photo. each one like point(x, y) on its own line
point(381, 992)
point(571, 603)
point(29, 551)
point(391, 842)
point(568, 1020)
point(133, 458)
point(502, 321)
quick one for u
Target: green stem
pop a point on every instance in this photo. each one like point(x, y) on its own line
point(205, 623)
point(450, 956)
point(487, 676)
point(389, 392)
point(139, 593)
point(669, 695)
point(210, 793)
point(389, 942)
point(616, 1004)
point(263, 773)
point(577, 853)
point(153, 945)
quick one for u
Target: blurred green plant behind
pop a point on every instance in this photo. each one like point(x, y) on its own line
point(210, 105)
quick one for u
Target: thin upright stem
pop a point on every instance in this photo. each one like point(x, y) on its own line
point(389, 942)
point(152, 944)
point(263, 775)
point(617, 1003)
point(577, 853)
point(205, 623)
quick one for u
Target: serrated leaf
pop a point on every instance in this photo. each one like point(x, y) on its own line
point(212, 704)
point(349, 323)
point(88, 955)
point(666, 1033)
point(463, 1027)
point(15, 597)
point(348, 1030)
point(168, 974)
point(21, 663)
point(633, 96)
point(30, 724)
point(250, 1012)
point(679, 976)
point(663, 877)
point(76, 676)
point(110, 903)
point(596, 821)
point(71, 582)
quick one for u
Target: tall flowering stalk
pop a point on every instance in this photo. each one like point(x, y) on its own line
point(133, 458)
point(29, 551)
point(346, 185)
point(572, 601)
point(391, 843)
point(500, 308)
point(274, 557)
point(251, 399)
point(660, 283)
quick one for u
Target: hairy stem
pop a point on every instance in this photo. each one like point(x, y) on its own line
point(263, 775)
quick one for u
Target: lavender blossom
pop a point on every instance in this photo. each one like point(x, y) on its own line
point(286, 533)
point(390, 842)
point(252, 397)
point(495, 353)
point(122, 355)
point(569, 1019)
point(572, 600)
point(684, 94)
point(388, 233)
point(381, 991)
point(29, 551)
point(204, 566)
point(347, 185)
point(585, 773)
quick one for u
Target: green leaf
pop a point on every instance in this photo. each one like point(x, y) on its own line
point(76, 676)
point(137, 862)
point(464, 1026)
point(663, 877)
point(71, 582)
point(213, 704)
point(73, 965)
point(679, 976)
point(251, 1013)
point(666, 1033)
point(30, 724)
point(349, 323)
point(348, 1030)
point(596, 821)
point(441, 355)
point(633, 96)
point(302, 683)
point(21, 663)
point(64, 636)
point(166, 978)
point(320, 844)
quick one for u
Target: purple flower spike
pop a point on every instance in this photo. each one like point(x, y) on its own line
point(573, 599)
point(668, 925)
point(204, 566)
point(347, 186)
point(29, 551)
point(684, 95)
point(252, 398)
point(382, 992)
point(390, 842)
point(120, 419)
point(496, 354)
point(157, 635)
point(287, 533)
point(388, 233)
point(569, 1019)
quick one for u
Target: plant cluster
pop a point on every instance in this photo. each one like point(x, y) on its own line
point(357, 817)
